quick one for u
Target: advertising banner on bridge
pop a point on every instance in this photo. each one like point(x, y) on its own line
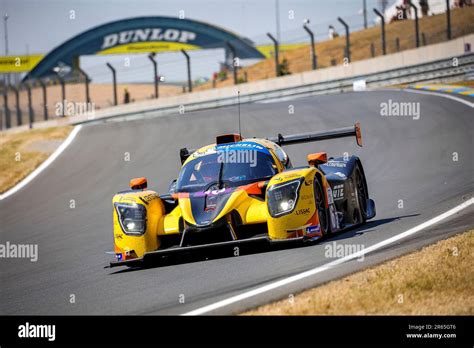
point(18, 64)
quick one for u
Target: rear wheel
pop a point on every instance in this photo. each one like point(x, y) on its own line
point(362, 192)
point(321, 208)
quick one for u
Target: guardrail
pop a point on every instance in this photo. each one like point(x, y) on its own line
point(427, 72)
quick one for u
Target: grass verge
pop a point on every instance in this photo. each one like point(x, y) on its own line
point(22, 152)
point(437, 280)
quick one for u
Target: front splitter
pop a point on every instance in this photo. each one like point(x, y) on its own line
point(150, 256)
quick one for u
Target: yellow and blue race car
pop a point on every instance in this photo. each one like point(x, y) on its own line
point(241, 191)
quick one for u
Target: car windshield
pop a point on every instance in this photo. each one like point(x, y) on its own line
point(217, 169)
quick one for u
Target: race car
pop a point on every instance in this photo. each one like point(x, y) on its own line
point(241, 190)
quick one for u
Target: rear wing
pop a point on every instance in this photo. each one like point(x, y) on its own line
point(317, 136)
point(184, 153)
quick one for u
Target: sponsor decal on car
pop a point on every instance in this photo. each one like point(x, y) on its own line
point(290, 176)
point(341, 175)
point(329, 196)
point(338, 164)
point(213, 192)
point(338, 192)
point(200, 153)
point(242, 146)
point(313, 229)
point(303, 211)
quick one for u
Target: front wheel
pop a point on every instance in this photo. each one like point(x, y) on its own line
point(321, 208)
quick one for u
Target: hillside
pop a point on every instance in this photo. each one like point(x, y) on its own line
point(331, 52)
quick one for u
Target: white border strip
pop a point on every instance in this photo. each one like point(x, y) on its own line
point(329, 265)
point(43, 165)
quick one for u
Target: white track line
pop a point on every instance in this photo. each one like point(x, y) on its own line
point(43, 165)
point(329, 265)
point(449, 96)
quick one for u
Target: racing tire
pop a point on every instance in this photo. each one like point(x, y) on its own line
point(361, 191)
point(321, 209)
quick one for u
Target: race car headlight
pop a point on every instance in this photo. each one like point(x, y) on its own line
point(132, 218)
point(282, 198)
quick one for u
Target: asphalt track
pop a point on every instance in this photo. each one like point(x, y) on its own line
point(404, 159)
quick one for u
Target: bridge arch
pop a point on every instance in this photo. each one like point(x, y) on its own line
point(143, 35)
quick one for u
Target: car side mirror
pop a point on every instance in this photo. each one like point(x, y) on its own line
point(317, 158)
point(138, 183)
point(172, 186)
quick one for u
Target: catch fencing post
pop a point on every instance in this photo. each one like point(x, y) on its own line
point(63, 91)
point(448, 19)
point(45, 99)
point(7, 110)
point(151, 56)
point(234, 66)
point(382, 19)
point(114, 81)
point(19, 118)
point(86, 82)
point(188, 63)
point(417, 28)
point(348, 41)
point(313, 51)
point(277, 60)
point(31, 115)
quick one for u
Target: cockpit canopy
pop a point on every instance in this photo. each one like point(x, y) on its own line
point(227, 165)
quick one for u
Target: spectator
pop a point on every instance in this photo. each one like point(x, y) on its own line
point(425, 7)
point(332, 33)
point(462, 3)
point(405, 8)
point(126, 97)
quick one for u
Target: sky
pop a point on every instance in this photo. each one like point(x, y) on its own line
point(37, 26)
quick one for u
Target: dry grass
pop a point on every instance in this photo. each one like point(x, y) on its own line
point(433, 27)
point(438, 280)
point(22, 152)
